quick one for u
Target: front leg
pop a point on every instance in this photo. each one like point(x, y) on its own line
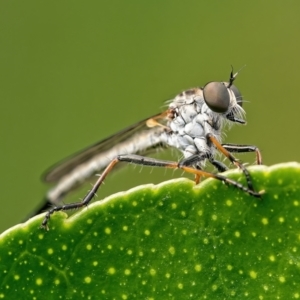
point(243, 149)
point(212, 140)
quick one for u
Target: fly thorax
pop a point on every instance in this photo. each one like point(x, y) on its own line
point(190, 122)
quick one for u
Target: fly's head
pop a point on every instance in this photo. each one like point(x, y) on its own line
point(224, 99)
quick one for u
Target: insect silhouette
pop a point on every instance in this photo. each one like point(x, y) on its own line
point(192, 123)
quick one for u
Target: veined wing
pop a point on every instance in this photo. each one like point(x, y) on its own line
point(140, 138)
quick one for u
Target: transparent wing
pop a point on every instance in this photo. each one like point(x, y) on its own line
point(137, 139)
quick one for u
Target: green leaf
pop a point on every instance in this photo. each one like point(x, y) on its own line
point(171, 241)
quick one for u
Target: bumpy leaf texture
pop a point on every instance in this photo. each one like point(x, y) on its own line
point(170, 241)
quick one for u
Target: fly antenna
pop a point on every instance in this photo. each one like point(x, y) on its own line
point(233, 76)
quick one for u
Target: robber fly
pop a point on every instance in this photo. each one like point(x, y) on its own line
point(192, 124)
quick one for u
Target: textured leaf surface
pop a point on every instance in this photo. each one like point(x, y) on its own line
point(171, 241)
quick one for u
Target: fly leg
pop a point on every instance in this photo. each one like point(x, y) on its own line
point(86, 200)
point(185, 165)
point(195, 159)
point(234, 148)
point(218, 165)
point(146, 161)
point(244, 148)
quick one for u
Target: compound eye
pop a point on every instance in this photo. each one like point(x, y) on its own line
point(216, 96)
point(237, 94)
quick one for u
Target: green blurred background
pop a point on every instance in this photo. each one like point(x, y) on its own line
point(74, 72)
